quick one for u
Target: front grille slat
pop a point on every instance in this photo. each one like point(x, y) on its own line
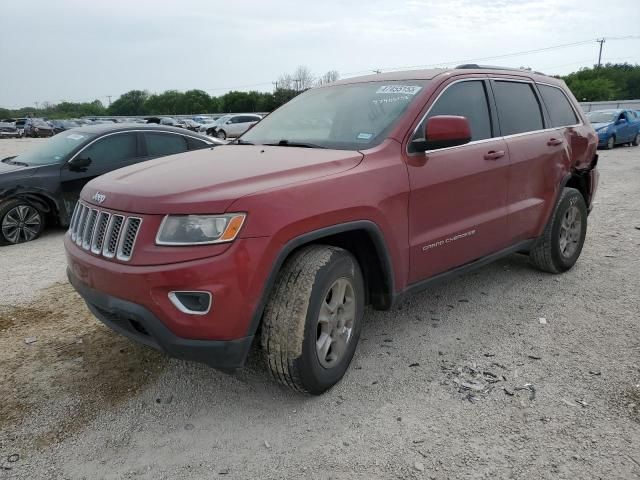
point(128, 238)
point(81, 224)
point(101, 230)
point(103, 233)
point(88, 229)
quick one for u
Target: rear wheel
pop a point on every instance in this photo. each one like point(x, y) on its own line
point(313, 319)
point(19, 222)
point(559, 247)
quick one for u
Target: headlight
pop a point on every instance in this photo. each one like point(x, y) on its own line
point(199, 229)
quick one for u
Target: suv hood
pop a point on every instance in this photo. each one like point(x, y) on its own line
point(208, 181)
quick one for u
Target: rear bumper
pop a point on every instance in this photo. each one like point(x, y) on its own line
point(139, 324)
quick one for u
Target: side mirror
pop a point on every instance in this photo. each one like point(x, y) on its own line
point(621, 121)
point(228, 122)
point(443, 131)
point(79, 164)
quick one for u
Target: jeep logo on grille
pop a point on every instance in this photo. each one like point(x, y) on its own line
point(99, 197)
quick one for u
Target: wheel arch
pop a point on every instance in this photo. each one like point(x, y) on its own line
point(40, 200)
point(364, 240)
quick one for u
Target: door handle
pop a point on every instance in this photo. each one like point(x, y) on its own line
point(554, 142)
point(494, 154)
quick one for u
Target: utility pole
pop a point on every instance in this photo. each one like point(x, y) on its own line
point(109, 98)
point(601, 42)
point(275, 85)
point(37, 103)
point(377, 71)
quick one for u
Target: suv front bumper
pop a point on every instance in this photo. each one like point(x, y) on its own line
point(138, 323)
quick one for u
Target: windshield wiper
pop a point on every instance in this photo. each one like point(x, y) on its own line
point(239, 141)
point(11, 161)
point(287, 143)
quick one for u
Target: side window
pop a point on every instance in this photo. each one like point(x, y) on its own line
point(466, 99)
point(195, 144)
point(113, 149)
point(159, 144)
point(518, 107)
point(558, 106)
point(235, 120)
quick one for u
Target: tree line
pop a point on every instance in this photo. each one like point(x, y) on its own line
point(612, 81)
point(608, 82)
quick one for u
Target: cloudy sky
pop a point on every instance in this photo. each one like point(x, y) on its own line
point(81, 50)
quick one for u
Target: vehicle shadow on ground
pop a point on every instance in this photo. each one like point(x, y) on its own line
point(422, 315)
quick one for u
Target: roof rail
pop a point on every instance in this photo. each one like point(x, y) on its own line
point(466, 66)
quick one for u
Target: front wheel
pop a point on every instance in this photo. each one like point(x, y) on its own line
point(221, 135)
point(636, 140)
point(19, 222)
point(559, 247)
point(611, 142)
point(312, 322)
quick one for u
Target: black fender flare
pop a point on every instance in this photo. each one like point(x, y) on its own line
point(306, 238)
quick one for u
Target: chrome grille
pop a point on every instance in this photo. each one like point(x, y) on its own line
point(103, 233)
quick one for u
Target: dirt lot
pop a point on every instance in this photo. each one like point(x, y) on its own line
point(461, 381)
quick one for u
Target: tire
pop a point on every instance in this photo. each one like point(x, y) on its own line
point(299, 314)
point(221, 135)
point(611, 142)
point(559, 247)
point(636, 140)
point(20, 222)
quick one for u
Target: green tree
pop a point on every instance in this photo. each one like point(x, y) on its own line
point(130, 103)
point(613, 81)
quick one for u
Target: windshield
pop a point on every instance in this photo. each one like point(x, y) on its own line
point(345, 117)
point(54, 150)
point(601, 117)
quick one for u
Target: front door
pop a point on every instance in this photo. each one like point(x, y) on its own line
point(457, 205)
point(105, 154)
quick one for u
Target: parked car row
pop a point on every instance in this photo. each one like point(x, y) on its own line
point(220, 126)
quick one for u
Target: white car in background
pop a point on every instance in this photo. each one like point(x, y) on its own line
point(231, 126)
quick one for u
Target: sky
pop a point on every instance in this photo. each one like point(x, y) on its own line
point(82, 50)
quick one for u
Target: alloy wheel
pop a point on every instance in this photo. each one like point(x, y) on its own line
point(570, 231)
point(335, 322)
point(21, 224)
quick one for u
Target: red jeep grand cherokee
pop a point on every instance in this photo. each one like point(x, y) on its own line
point(354, 193)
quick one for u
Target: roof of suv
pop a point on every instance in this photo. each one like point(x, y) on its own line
point(434, 72)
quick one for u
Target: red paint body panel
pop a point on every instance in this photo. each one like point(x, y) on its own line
point(416, 201)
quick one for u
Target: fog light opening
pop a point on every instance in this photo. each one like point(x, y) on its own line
point(192, 303)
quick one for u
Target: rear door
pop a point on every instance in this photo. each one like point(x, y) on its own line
point(538, 156)
point(160, 144)
point(457, 204)
point(107, 153)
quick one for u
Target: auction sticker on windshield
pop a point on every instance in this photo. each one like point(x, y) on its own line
point(406, 89)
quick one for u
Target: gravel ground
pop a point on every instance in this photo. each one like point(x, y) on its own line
point(461, 381)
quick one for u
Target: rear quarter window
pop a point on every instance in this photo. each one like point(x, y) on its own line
point(518, 107)
point(558, 106)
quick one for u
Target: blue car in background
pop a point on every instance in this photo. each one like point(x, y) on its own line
point(615, 127)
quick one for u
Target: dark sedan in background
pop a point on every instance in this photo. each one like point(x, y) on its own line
point(62, 125)
point(37, 127)
point(42, 185)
